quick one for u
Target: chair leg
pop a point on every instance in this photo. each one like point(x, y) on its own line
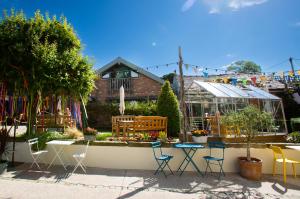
point(221, 169)
point(158, 169)
point(80, 164)
point(294, 170)
point(76, 166)
point(274, 167)
point(170, 168)
point(284, 172)
point(206, 167)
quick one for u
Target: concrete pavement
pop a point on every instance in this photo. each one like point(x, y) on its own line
point(22, 182)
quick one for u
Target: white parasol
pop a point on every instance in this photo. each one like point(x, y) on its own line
point(122, 101)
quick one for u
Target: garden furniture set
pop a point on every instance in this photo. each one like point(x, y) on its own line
point(58, 147)
point(189, 151)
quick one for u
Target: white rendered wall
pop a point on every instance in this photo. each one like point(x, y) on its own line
point(124, 157)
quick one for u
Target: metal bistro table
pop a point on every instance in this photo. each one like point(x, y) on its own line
point(58, 147)
point(189, 150)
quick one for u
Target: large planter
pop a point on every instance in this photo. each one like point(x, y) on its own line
point(250, 169)
point(3, 166)
point(200, 139)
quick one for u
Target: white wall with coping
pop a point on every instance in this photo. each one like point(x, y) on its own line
point(141, 158)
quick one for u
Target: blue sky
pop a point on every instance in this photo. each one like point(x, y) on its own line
point(212, 33)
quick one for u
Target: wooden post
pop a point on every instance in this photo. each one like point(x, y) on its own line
point(182, 97)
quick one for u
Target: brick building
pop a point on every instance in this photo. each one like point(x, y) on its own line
point(138, 83)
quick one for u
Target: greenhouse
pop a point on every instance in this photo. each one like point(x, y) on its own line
point(207, 102)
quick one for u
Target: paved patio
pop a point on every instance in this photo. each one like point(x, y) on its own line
point(21, 182)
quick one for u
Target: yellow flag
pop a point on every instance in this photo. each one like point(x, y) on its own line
point(225, 80)
point(291, 73)
point(263, 78)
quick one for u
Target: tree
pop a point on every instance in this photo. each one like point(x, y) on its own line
point(244, 67)
point(41, 56)
point(249, 122)
point(169, 77)
point(168, 106)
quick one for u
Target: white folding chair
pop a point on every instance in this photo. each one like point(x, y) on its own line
point(35, 154)
point(79, 157)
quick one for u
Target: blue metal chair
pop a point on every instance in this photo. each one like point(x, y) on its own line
point(212, 160)
point(161, 159)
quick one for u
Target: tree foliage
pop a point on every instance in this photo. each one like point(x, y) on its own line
point(168, 106)
point(43, 53)
point(244, 67)
point(42, 56)
point(249, 122)
point(169, 77)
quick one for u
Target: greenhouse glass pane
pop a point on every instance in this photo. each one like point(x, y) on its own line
point(263, 93)
point(235, 89)
point(212, 89)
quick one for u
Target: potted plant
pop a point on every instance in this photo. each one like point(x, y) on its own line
point(249, 122)
point(200, 136)
point(4, 135)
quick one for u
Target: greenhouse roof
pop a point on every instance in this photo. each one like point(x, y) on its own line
point(229, 91)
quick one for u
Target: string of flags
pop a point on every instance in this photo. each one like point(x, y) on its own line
point(285, 76)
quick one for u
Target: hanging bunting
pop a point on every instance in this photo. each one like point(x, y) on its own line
point(281, 74)
point(253, 79)
point(291, 74)
point(244, 82)
point(195, 70)
point(205, 74)
point(234, 81)
point(262, 78)
point(225, 80)
point(186, 66)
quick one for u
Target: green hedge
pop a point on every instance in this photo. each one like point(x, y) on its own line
point(99, 114)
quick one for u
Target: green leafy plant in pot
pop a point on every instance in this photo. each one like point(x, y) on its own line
point(249, 121)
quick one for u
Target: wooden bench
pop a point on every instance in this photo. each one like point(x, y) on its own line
point(149, 123)
point(116, 119)
point(51, 121)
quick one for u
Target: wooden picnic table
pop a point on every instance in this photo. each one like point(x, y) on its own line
point(124, 125)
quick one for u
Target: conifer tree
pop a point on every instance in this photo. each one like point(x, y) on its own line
point(168, 106)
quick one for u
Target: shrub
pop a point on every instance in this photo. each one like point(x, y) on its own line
point(90, 131)
point(293, 137)
point(73, 133)
point(48, 136)
point(168, 106)
point(103, 136)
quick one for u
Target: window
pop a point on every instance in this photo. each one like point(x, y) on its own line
point(134, 74)
point(105, 76)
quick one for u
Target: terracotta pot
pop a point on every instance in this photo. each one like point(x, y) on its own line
point(250, 169)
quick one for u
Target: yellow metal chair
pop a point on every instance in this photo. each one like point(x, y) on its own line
point(280, 157)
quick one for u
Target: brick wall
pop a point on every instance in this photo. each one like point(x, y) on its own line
point(143, 87)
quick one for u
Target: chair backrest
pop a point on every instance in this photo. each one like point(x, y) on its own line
point(156, 146)
point(277, 151)
point(216, 145)
point(32, 142)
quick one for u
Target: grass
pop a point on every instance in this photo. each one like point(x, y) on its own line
point(103, 136)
